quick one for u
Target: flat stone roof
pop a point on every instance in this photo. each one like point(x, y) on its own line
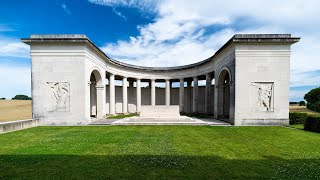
point(58, 36)
point(237, 38)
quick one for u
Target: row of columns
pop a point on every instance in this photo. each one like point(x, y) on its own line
point(195, 98)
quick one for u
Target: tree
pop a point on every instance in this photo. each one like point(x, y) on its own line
point(313, 99)
point(293, 103)
point(302, 103)
point(2, 98)
point(21, 97)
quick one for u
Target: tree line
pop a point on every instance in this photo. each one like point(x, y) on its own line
point(19, 97)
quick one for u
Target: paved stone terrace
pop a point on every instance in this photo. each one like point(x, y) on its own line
point(161, 121)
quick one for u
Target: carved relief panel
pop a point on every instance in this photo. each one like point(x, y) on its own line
point(262, 94)
point(59, 98)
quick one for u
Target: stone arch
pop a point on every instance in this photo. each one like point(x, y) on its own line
point(96, 94)
point(224, 100)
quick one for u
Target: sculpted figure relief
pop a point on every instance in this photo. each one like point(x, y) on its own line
point(61, 93)
point(264, 95)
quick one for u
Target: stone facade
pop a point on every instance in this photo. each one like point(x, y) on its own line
point(73, 81)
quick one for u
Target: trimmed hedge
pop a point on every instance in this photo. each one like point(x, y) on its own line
point(297, 118)
point(312, 124)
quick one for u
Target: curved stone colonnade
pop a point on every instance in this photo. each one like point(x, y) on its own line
point(73, 80)
point(184, 75)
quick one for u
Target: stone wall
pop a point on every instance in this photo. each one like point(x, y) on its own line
point(58, 84)
point(160, 98)
point(262, 89)
point(18, 125)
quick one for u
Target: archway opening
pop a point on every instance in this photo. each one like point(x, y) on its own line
point(95, 81)
point(224, 95)
point(93, 96)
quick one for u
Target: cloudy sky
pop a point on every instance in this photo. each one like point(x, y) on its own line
point(158, 32)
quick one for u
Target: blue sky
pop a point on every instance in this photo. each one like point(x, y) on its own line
point(158, 32)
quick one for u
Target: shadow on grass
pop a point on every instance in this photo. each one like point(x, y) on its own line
point(153, 167)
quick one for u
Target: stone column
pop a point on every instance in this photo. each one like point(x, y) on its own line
point(181, 95)
point(189, 98)
point(168, 86)
point(207, 94)
point(124, 95)
point(100, 99)
point(112, 96)
point(216, 95)
point(153, 92)
point(195, 95)
point(138, 95)
point(130, 84)
point(130, 98)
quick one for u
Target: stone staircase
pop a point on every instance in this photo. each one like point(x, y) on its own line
point(183, 120)
point(160, 111)
point(160, 115)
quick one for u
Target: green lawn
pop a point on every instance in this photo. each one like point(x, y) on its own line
point(297, 126)
point(160, 152)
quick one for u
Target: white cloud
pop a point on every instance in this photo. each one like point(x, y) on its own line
point(13, 48)
point(65, 8)
point(17, 80)
point(119, 14)
point(298, 94)
point(179, 33)
point(144, 5)
point(6, 28)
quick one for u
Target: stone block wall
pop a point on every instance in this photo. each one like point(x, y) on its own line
point(160, 98)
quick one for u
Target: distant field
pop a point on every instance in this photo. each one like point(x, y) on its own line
point(302, 109)
point(11, 110)
point(15, 110)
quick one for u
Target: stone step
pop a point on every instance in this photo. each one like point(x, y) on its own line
point(160, 111)
point(161, 123)
point(183, 120)
point(163, 119)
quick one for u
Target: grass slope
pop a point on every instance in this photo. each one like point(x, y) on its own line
point(11, 110)
point(159, 152)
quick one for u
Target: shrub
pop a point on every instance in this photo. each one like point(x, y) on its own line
point(312, 124)
point(21, 97)
point(314, 106)
point(302, 103)
point(297, 118)
point(293, 103)
point(3, 98)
